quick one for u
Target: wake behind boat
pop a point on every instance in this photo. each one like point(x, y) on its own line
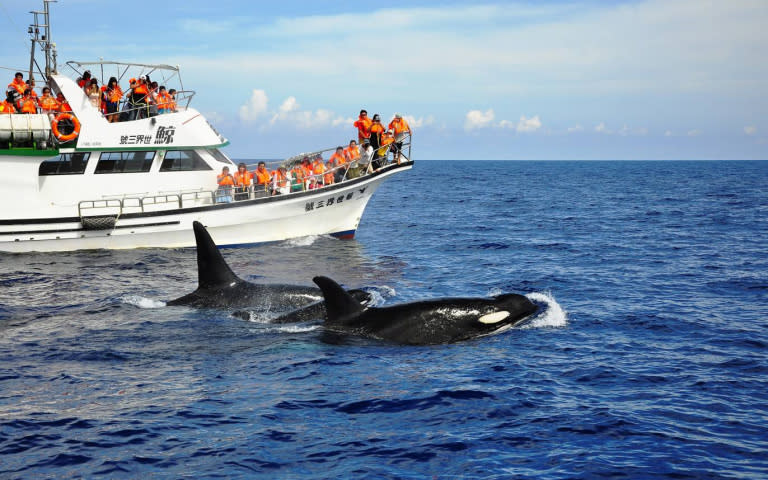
point(77, 178)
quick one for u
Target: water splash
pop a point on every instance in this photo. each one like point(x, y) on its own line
point(301, 241)
point(142, 302)
point(552, 314)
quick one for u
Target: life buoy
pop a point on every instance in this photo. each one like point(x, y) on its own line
point(75, 127)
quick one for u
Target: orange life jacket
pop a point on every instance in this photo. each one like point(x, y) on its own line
point(19, 86)
point(352, 153)
point(65, 107)
point(225, 180)
point(318, 167)
point(376, 128)
point(27, 105)
point(363, 125)
point(337, 159)
point(48, 104)
point(115, 94)
point(281, 180)
point(7, 107)
point(163, 101)
point(399, 125)
point(243, 179)
point(262, 177)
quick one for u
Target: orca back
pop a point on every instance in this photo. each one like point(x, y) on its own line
point(339, 304)
point(212, 270)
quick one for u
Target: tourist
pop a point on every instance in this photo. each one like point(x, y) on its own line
point(112, 96)
point(363, 125)
point(399, 127)
point(226, 182)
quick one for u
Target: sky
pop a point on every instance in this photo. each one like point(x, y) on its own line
point(547, 79)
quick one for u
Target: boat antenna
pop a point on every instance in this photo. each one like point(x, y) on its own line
point(44, 41)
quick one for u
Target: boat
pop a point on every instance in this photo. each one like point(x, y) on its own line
point(76, 181)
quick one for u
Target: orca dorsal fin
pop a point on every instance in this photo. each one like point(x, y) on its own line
point(212, 270)
point(338, 302)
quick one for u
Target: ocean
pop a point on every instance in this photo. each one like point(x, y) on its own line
point(648, 359)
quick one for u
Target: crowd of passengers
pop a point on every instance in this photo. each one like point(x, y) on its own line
point(355, 160)
point(143, 99)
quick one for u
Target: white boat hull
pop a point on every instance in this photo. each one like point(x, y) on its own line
point(333, 210)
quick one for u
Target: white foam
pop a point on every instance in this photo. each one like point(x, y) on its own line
point(300, 328)
point(552, 315)
point(301, 241)
point(142, 302)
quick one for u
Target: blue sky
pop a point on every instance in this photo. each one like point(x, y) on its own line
point(656, 79)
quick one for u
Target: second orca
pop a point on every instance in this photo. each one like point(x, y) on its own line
point(426, 322)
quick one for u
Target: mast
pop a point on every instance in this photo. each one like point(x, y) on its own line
point(44, 41)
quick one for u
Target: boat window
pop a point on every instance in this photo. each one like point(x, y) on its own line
point(183, 161)
point(65, 164)
point(125, 162)
point(219, 157)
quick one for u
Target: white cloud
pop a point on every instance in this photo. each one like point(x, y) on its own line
point(693, 133)
point(668, 133)
point(528, 124)
point(255, 107)
point(289, 105)
point(289, 113)
point(420, 122)
point(601, 128)
point(478, 119)
point(751, 130)
point(576, 129)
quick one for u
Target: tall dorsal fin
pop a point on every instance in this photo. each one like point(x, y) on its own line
point(338, 302)
point(212, 270)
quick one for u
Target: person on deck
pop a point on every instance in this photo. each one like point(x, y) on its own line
point(352, 152)
point(47, 103)
point(363, 125)
point(399, 127)
point(27, 104)
point(163, 100)
point(226, 181)
point(63, 103)
point(377, 129)
point(172, 103)
point(337, 164)
point(366, 157)
point(18, 83)
point(6, 107)
point(281, 182)
point(85, 80)
point(386, 140)
point(112, 96)
point(242, 182)
point(318, 169)
point(261, 178)
point(297, 178)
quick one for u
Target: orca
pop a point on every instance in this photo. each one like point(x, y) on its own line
point(219, 287)
point(426, 322)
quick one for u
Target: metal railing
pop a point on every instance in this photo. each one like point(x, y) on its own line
point(145, 202)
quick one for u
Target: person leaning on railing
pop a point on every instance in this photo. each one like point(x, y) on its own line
point(6, 106)
point(242, 180)
point(226, 181)
point(399, 126)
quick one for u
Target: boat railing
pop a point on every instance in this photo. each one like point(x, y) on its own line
point(104, 212)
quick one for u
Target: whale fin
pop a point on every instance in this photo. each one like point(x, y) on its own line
point(212, 270)
point(338, 302)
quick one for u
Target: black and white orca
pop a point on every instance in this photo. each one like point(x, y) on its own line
point(219, 287)
point(426, 322)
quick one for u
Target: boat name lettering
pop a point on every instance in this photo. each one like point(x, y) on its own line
point(164, 136)
point(309, 206)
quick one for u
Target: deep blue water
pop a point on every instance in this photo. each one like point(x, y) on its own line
point(657, 369)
